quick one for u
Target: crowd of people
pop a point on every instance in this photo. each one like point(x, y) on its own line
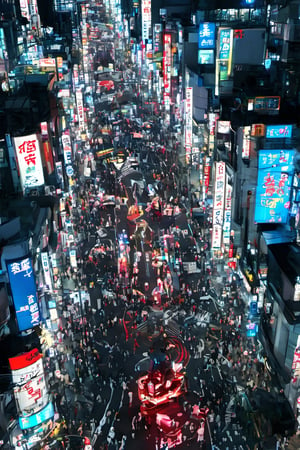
point(102, 336)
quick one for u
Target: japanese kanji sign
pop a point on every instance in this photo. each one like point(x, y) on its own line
point(29, 160)
point(23, 289)
point(206, 35)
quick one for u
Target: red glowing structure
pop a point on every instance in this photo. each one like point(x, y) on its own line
point(163, 392)
point(160, 386)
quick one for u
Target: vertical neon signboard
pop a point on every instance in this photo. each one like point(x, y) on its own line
point(23, 289)
point(274, 181)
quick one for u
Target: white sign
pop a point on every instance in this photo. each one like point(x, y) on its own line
point(73, 259)
point(46, 270)
point(189, 117)
point(30, 388)
point(80, 110)
point(66, 143)
point(218, 208)
point(29, 160)
point(246, 143)
point(146, 19)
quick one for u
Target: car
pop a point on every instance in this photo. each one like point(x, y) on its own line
point(75, 442)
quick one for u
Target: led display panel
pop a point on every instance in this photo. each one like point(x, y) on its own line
point(36, 419)
point(274, 181)
point(206, 57)
point(23, 289)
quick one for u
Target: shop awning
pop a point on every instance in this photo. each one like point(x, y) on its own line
point(280, 235)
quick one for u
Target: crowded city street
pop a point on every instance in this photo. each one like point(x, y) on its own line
point(152, 340)
point(152, 348)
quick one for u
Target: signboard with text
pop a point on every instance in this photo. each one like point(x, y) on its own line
point(30, 388)
point(279, 131)
point(274, 182)
point(189, 118)
point(36, 419)
point(218, 208)
point(206, 35)
point(24, 295)
point(146, 19)
point(29, 161)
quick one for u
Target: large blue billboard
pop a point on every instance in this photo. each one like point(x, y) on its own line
point(206, 35)
point(274, 181)
point(36, 419)
point(23, 289)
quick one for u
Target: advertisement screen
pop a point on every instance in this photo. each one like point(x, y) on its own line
point(38, 418)
point(206, 57)
point(274, 181)
point(29, 161)
point(23, 289)
point(206, 35)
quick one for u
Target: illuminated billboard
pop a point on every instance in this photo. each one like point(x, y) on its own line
point(218, 205)
point(30, 388)
point(279, 131)
point(167, 62)
point(225, 44)
point(80, 110)
point(188, 122)
point(29, 161)
point(146, 19)
point(206, 56)
point(47, 271)
point(227, 214)
point(274, 181)
point(23, 289)
point(38, 418)
point(206, 35)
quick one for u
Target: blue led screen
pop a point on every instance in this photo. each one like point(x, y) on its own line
point(36, 419)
